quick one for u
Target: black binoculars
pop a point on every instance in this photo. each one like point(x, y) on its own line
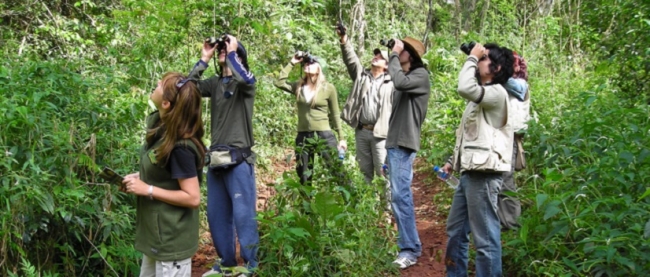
point(388, 43)
point(306, 57)
point(467, 47)
point(219, 41)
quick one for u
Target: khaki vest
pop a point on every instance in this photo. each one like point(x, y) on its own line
point(481, 147)
point(520, 111)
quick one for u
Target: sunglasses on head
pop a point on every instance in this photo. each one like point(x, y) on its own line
point(181, 83)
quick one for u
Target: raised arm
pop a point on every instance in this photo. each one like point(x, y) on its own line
point(205, 86)
point(350, 58)
point(282, 83)
point(468, 87)
point(241, 75)
point(415, 82)
point(244, 78)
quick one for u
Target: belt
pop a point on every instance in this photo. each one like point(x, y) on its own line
point(368, 127)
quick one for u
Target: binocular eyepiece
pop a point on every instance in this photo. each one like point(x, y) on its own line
point(219, 41)
point(388, 43)
point(306, 57)
point(467, 47)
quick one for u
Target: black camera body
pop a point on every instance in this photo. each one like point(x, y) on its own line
point(388, 43)
point(220, 41)
point(306, 57)
point(467, 47)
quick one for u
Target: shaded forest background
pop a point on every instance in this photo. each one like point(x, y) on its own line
point(76, 75)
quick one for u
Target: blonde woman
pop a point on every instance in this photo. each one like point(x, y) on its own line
point(318, 111)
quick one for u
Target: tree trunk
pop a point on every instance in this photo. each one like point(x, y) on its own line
point(458, 18)
point(359, 25)
point(468, 10)
point(484, 11)
point(425, 39)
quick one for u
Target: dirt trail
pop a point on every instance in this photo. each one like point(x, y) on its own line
point(430, 224)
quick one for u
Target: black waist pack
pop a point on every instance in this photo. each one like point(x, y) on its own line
point(224, 156)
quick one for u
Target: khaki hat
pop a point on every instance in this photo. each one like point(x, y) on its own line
point(384, 53)
point(415, 45)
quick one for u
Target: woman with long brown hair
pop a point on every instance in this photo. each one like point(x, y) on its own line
point(318, 112)
point(167, 186)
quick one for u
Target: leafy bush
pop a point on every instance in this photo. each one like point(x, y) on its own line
point(56, 123)
point(590, 200)
point(327, 229)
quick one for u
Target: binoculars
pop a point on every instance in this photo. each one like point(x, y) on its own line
point(306, 57)
point(388, 43)
point(467, 47)
point(219, 41)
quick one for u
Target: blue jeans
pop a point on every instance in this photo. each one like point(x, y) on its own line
point(400, 166)
point(232, 197)
point(474, 210)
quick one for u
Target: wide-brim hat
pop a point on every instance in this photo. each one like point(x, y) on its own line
point(415, 45)
point(384, 53)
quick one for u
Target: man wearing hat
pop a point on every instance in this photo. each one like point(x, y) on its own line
point(232, 194)
point(410, 100)
point(368, 107)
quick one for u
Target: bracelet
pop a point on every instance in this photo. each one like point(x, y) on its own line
point(150, 192)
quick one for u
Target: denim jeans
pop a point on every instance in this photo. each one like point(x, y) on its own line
point(232, 198)
point(474, 210)
point(400, 165)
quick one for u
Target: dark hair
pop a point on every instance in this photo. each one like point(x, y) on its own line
point(415, 61)
point(242, 54)
point(503, 57)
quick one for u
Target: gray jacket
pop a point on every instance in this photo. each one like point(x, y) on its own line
point(410, 102)
point(362, 79)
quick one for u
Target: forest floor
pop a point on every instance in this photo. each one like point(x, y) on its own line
point(430, 224)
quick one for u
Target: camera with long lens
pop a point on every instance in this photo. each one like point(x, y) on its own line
point(219, 41)
point(388, 43)
point(467, 47)
point(306, 57)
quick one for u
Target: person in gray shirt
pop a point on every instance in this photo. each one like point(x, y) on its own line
point(367, 109)
point(410, 99)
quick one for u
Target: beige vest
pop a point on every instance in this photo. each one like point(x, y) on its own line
point(481, 147)
point(520, 111)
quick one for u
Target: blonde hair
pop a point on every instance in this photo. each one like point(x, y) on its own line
point(320, 82)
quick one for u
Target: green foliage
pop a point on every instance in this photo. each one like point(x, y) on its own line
point(56, 123)
point(619, 37)
point(588, 214)
point(326, 229)
point(74, 75)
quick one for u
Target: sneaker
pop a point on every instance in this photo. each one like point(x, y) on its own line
point(404, 262)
